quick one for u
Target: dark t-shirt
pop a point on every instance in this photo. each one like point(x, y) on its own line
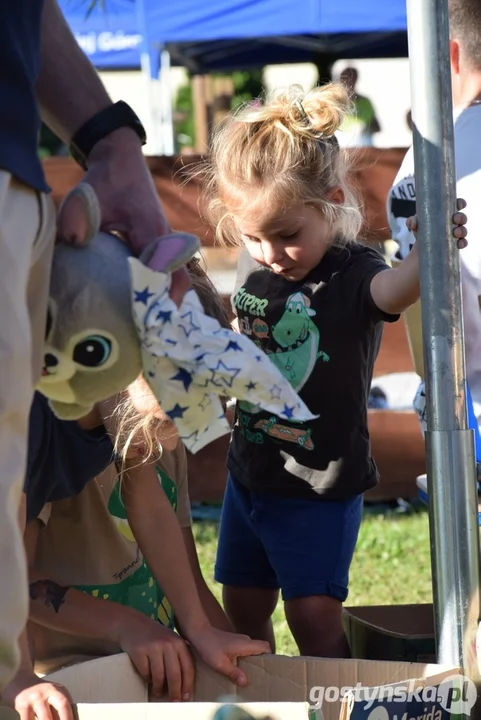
point(323, 333)
point(62, 458)
point(20, 24)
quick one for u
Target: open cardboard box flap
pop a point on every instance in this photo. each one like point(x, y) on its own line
point(391, 632)
point(274, 680)
point(404, 621)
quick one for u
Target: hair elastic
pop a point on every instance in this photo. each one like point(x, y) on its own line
point(300, 107)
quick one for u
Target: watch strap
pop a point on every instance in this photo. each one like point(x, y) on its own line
point(111, 118)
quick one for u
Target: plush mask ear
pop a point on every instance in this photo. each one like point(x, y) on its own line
point(80, 212)
point(170, 252)
point(165, 254)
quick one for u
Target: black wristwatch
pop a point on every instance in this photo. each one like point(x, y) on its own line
point(112, 118)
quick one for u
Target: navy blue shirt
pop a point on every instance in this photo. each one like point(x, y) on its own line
point(62, 458)
point(20, 31)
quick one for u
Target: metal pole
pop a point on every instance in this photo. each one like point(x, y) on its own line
point(167, 102)
point(150, 75)
point(451, 468)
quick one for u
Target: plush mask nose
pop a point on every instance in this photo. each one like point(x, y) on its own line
point(50, 360)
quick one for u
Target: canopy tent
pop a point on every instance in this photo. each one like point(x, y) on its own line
point(235, 34)
point(240, 34)
point(230, 55)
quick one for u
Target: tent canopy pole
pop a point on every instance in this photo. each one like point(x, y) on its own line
point(451, 468)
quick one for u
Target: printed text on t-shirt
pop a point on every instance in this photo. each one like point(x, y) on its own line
point(250, 303)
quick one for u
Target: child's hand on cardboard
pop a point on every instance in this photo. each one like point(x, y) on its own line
point(160, 657)
point(221, 649)
point(459, 224)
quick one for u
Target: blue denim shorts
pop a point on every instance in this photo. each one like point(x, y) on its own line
point(302, 547)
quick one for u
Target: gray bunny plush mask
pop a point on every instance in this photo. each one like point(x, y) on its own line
point(92, 348)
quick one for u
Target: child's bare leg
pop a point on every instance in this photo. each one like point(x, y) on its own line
point(316, 623)
point(250, 610)
point(250, 585)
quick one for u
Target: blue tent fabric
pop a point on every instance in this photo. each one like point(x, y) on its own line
point(108, 34)
point(193, 21)
point(242, 34)
point(235, 34)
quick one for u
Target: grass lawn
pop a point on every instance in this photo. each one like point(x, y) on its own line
point(391, 566)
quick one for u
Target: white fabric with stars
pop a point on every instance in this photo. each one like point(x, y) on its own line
point(189, 360)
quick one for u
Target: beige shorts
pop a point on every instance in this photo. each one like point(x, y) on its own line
point(27, 233)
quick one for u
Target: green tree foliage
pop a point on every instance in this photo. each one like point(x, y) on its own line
point(247, 85)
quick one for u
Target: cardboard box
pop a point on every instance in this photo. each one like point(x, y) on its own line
point(201, 711)
point(286, 688)
point(391, 632)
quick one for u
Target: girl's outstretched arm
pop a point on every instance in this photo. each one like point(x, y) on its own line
point(395, 290)
point(159, 536)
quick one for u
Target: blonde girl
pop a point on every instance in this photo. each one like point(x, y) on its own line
point(314, 299)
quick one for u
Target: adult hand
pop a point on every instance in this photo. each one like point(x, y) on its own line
point(129, 204)
point(35, 698)
point(160, 657)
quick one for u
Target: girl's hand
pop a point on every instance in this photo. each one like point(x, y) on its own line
point(35, 698)
point(459, 223)
point(220, 649)
point(160, 657)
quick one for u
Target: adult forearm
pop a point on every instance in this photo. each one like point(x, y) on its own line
point(69, 90)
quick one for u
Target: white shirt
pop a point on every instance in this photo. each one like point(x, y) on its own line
point(401, 204)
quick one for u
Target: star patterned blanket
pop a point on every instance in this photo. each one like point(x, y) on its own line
point(190, 361)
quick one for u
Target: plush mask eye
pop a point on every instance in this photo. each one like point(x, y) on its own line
point(92, 352)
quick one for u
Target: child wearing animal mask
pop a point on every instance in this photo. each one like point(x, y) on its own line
point(98, 560)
